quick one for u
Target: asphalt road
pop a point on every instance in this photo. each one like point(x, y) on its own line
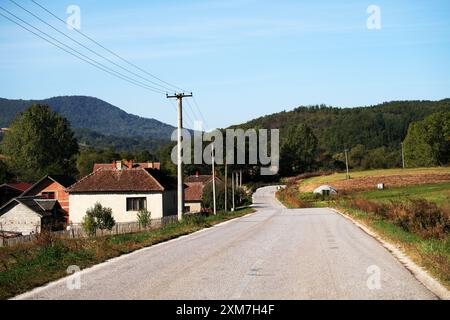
point(275, 253)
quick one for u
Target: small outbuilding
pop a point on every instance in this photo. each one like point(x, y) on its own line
point(28, 215)
point(193, 194)
point(325, 189)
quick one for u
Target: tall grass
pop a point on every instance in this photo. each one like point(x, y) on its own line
point(418, 216)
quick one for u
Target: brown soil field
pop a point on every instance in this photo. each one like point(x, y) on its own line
point(368, 183)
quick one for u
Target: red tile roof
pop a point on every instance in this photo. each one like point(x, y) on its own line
point(126, 164)
point(128, 180)
point(194, 192)
point(22, 186)
point(196, 184)
point(202, 178)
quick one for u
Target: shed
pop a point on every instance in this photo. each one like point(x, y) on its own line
point(323, 189)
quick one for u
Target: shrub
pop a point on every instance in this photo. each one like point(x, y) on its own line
point(414, 215)
point(379, 209)
point(98, 217)
point(144, 218)
point(422, 217)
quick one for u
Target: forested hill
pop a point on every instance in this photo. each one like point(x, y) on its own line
point(376, 126)
point(93, 114)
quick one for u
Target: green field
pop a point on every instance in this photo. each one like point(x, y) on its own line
point(438, 193)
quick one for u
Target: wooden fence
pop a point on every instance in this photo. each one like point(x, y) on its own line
point(76, 231)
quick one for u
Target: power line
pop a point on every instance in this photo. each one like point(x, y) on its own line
point(198, 108)
point(110, 51)
point(87, 48)
point(80, 55)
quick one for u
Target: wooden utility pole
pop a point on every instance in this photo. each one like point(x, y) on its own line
point(226, 185)
point(214, 180)
point(180, 191)
point(403, 156)
point(346, 163)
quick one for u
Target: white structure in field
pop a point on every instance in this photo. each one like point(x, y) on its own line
point(125, 192)
point(325, 189)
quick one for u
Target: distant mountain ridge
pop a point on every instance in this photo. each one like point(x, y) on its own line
point(94, 114)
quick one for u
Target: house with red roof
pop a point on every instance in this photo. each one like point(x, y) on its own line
point(52, 187)
point(125, 191)
point(193, 194)
point(126, 164)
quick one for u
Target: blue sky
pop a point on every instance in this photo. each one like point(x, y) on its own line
point(241, 58)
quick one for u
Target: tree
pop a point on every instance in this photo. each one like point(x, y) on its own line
point(40, 142)
point(428, 141)
point(98, 217)
point(356, 155)
point(298, 150)
point(239, 196)
point(5, 175)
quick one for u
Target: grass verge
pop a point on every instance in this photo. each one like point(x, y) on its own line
point(26, 266)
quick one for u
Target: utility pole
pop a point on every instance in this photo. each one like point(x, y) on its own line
point(214, 180)
point(346, 163)
point(403, 156)
point(180, 191)
point(226, 185)
point(232, 190)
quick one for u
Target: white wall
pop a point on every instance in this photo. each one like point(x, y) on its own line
point(80, 203)
point(21, 219)
point(194, 206)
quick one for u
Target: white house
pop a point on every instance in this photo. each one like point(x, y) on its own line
point(125, 192)
point(27, 215)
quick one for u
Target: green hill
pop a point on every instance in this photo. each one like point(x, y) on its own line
point(93, 114)
point(383, 125)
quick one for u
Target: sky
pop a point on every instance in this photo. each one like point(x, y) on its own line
point(241, 58)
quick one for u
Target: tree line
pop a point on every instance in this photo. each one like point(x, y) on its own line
point(42, 142)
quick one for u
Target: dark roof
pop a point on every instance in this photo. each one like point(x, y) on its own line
point(40, 206)
point(19, 186)
point(65, 181)
point(129, 180)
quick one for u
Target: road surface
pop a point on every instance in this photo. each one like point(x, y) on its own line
point(275, 253)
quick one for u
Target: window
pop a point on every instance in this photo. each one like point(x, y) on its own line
point(136, 204)
point(48, 195)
